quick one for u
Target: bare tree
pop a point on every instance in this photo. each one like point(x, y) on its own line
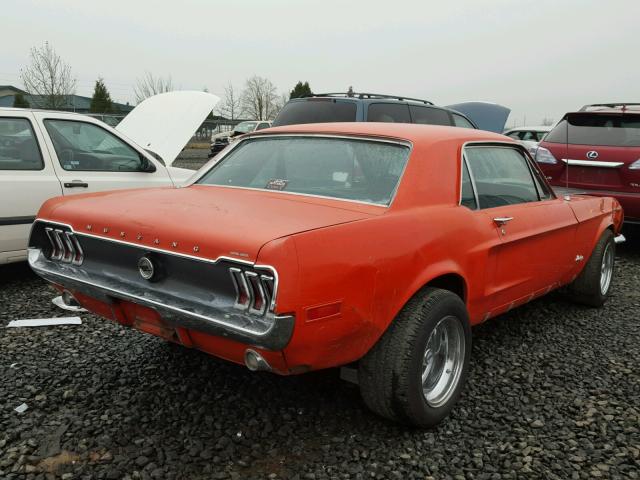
point(230, 105)
point(48, 77)
point(281, 101)
point(547, 122)
point(259, 98)
point(148, 86)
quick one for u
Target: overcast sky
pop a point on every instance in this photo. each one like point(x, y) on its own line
point(540, 58)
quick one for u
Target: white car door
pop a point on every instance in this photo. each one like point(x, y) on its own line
point(89, 156)
point(27, 179)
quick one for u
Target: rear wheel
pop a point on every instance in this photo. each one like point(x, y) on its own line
point(416, 371)
point(593, 284)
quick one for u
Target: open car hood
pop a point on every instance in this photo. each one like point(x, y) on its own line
point(486, 115)
point(164, 123)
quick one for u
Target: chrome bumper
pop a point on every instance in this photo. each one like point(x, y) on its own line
point(272, 332)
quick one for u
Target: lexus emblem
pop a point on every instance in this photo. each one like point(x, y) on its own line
point(592, 155)
point(146, 268)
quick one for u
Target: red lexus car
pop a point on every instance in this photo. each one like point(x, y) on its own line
point(597, 151)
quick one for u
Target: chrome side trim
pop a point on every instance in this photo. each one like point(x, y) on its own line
point(619, 239)
point(592, 163)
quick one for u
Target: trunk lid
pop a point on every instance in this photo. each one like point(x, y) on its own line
point(202, 221)
point(164, 123)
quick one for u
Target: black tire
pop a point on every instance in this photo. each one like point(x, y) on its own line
point(586, 288)
point(390, 374)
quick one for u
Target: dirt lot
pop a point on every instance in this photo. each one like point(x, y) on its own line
point(554, 393)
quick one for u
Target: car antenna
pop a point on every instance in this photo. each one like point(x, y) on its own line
point(566, 178)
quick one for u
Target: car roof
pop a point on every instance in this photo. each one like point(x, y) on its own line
point(539, 128)
point(618, 107)
point(411, 132)
point(14, 109)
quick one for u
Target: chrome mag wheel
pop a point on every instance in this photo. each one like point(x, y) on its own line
point(443, 361)
point(606, 269)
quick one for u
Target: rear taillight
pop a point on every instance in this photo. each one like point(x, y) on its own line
point(65, 246)
point(543, 155)
point(254, 291)
point(635, 165)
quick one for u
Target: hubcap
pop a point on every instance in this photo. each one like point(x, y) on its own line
point(606, 270)
point(442, 361)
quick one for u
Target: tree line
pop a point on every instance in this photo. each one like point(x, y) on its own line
point(49, 78)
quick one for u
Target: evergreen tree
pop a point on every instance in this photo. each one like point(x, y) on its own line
point(301, 90)
point(20, 102)
point(101, 100)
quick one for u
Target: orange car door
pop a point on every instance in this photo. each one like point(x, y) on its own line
point(536, 229)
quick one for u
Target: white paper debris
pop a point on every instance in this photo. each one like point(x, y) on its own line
point(69, 308)
point(21, 408)
point(45, 322)
point(14, 365)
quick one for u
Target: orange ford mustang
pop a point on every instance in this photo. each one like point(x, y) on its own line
point(315, 246)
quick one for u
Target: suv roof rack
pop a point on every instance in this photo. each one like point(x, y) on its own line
point(365, 95)
point(623, 106)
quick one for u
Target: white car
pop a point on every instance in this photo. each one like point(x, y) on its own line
point(44, 154)
point(219, 141)
point(528, 136)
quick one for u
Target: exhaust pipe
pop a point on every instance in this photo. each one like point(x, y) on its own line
point(255, 362)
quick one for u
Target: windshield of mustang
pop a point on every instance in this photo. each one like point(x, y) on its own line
point(344, 168)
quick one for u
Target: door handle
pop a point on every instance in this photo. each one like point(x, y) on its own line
point(502, 221)
point(76, 184)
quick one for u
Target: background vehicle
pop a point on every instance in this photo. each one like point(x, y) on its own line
point(266, 258)
point(374, 107)
point(530, 137)
point(44, 154)
point(597, 151)
point(220, 140)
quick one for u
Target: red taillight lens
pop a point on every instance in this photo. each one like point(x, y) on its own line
point(254, 292)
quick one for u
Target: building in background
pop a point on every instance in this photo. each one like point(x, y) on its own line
point(74, 103)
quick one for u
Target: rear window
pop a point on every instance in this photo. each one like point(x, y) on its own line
point(597, 129)
point(316, 111)
point(429, 116)
point(349, 169)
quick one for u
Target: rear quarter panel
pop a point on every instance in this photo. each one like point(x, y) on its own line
point(595, 215)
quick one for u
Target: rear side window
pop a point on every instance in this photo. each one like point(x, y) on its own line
point(388, 112)
point(502, 176)
point(467, 198)
point(316, 111)
point(18, 145)
point(429, 116)
point(460, 121)
point(616, 130)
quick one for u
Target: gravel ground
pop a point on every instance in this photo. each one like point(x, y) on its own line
point(554, 393)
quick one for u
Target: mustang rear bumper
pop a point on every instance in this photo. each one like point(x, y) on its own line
point(272, 332)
